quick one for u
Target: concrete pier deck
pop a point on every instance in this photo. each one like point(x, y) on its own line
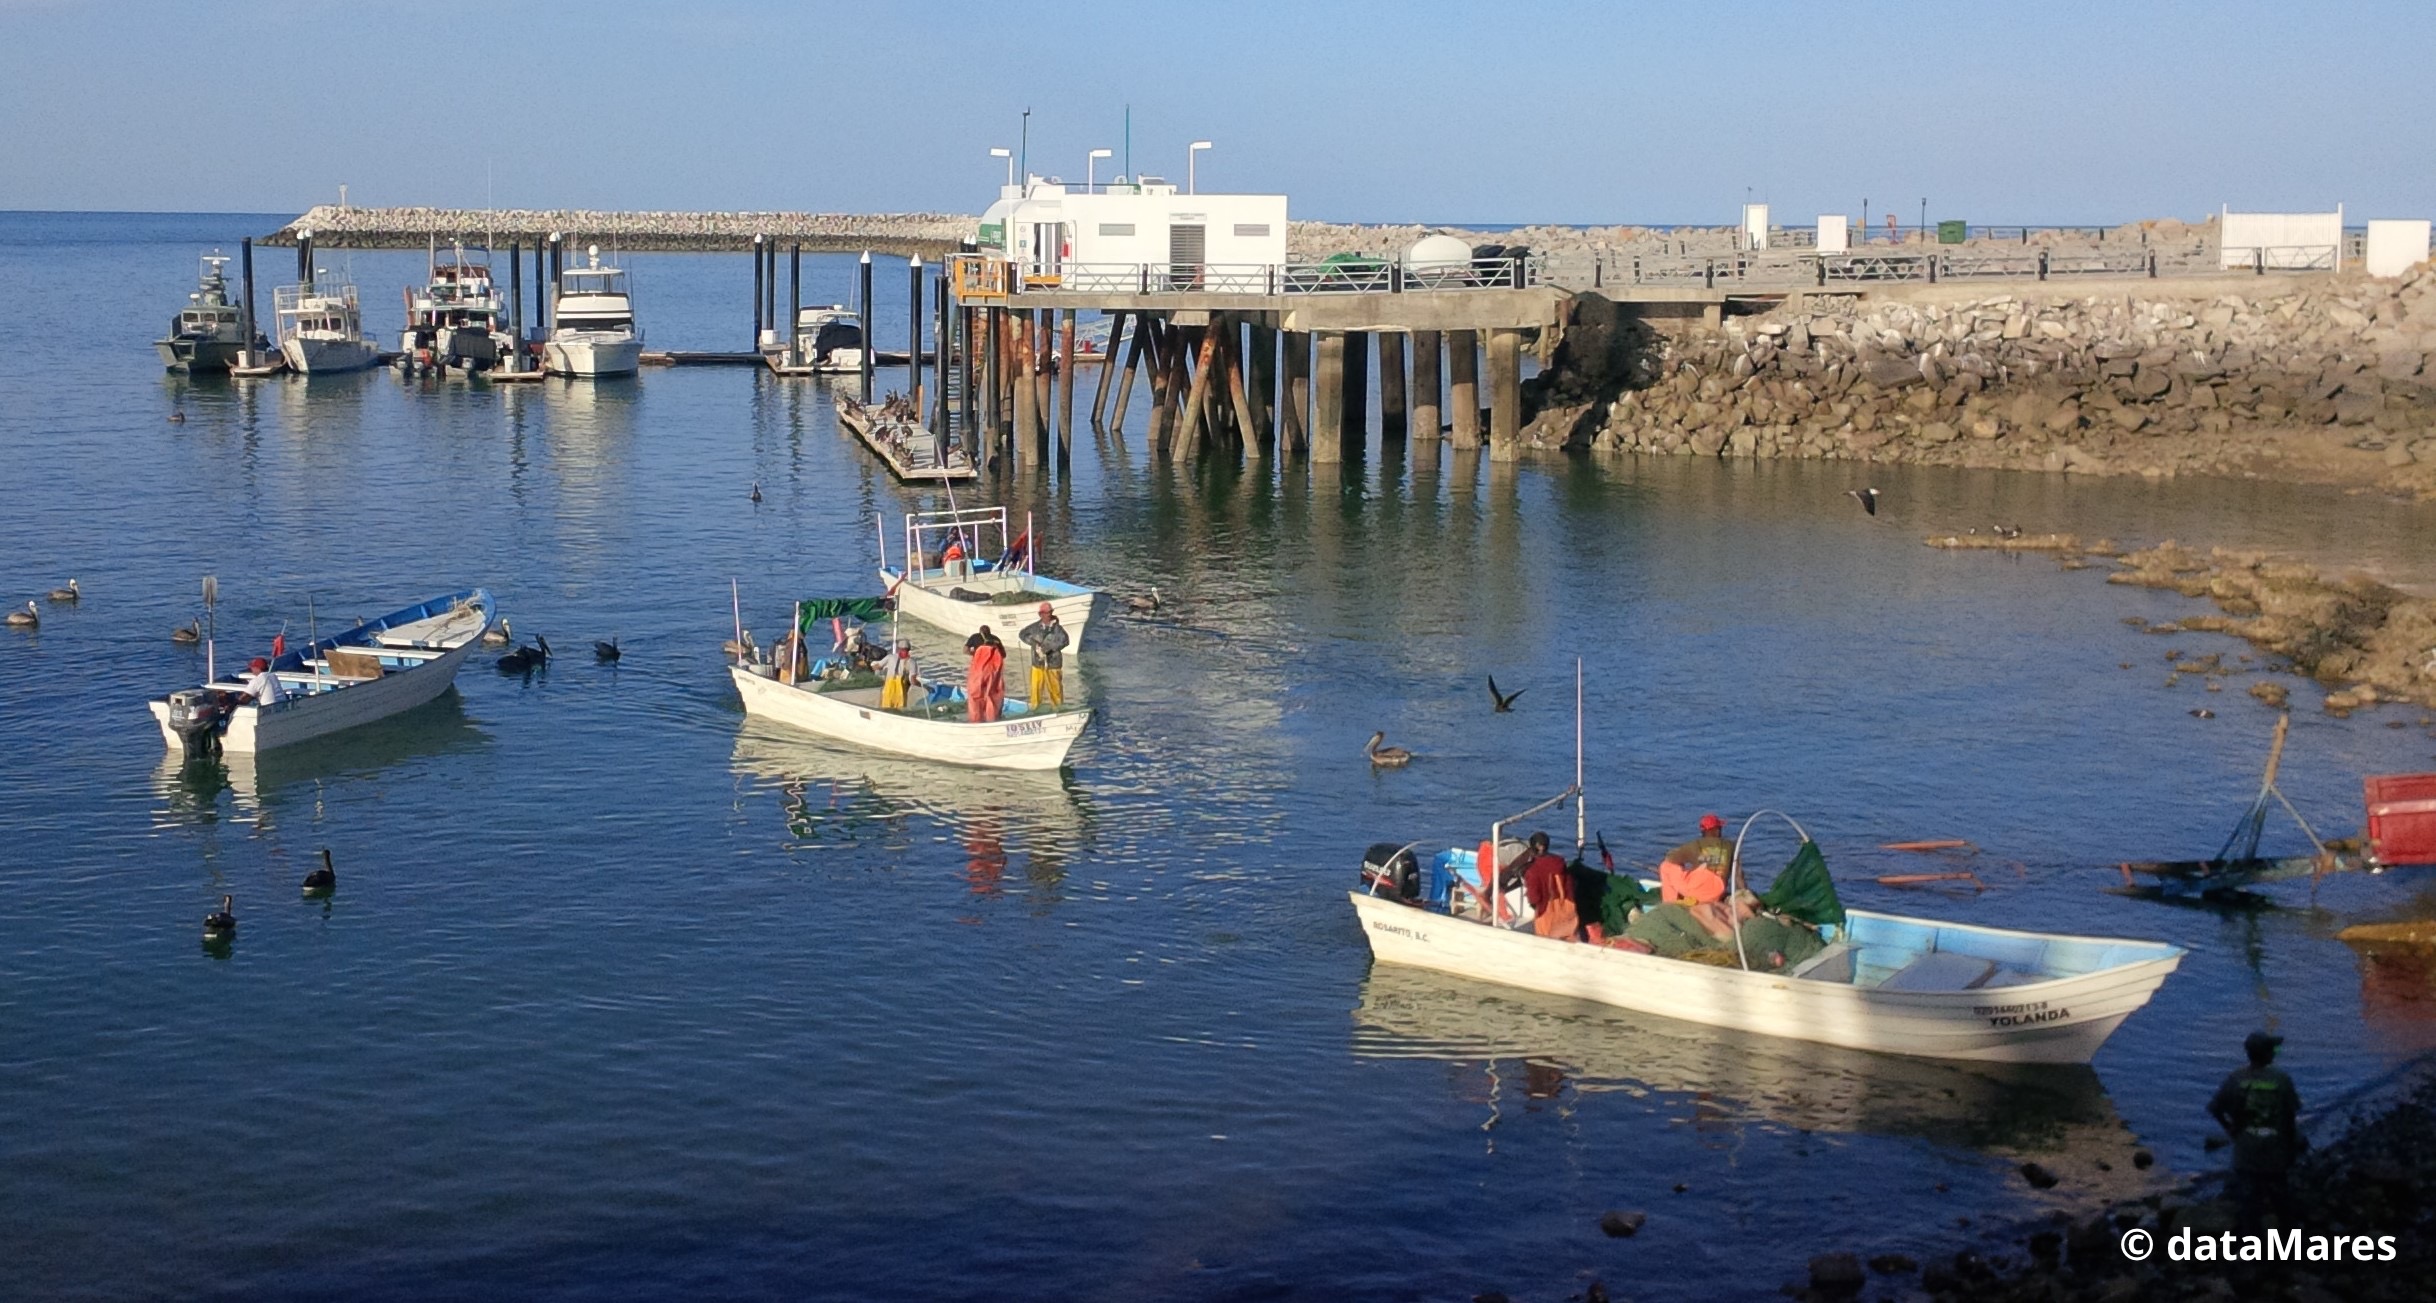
point(930, 235)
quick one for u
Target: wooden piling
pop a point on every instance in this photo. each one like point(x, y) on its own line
point(1065, 386)
point(1463, 387)
point(1428, 412)
point(1505, 394)
point(1263, 382)
point(1231, 357)
point(1294, 408)
point(1357, 393)
point(993, 354)
point(1157, 341)
point(1108, 370)
point(1133, 362)
point(1328, 399)
point(1197, 396)
point(1030, 438)
point(1392, 409)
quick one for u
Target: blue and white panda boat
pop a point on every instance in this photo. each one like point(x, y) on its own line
point(367, 673)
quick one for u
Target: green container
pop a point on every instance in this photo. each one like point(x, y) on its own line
point(1953, 232)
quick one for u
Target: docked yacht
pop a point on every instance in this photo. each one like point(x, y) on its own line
point(828, 341)
point(209, 333)
point(458, 319)
point(593, 331)
point(321, 329)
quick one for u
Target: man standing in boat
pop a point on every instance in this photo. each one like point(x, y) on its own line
point(985, 679)
point(1047, 639)
point(1696, 871)
point(2259, 1107)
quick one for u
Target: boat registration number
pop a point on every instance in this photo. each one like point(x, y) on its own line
point(2021, 1015)
point(1025, 728)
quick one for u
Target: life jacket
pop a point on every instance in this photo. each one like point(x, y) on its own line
point(1698, 885)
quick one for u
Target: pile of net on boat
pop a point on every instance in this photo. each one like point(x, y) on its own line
point(1781, 931)
point(1018, 597)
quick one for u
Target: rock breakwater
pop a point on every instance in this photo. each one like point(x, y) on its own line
point(2324, 379)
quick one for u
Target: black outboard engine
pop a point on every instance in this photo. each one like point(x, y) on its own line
point(1391, 870)
point(197, 717)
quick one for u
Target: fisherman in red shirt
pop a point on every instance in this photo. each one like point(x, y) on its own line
point(1549, 887)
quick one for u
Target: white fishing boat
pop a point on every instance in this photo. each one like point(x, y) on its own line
point(366, 673)
point(1880, 982)
point(593, 334)
point(833, 698)
point(950, 582)
point(321, 329)
point(459, 319)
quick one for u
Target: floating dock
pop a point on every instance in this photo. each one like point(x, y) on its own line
point(911, 453)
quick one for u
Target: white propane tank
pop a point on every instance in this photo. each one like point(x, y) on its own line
point(1435, 256)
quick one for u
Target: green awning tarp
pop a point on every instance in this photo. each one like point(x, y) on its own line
point(1804, 890)
point(814, 611)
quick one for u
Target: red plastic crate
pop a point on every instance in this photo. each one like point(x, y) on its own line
point(2401, 818)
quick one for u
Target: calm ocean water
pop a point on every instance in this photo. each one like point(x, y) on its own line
point(623, 997)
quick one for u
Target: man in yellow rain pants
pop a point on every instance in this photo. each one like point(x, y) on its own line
point(900, 677)
point(1047, 639)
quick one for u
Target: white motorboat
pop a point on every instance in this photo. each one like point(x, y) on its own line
point(951, 583)
point(827, 341)
point(208, 334)
point(367, 673)
point(593, 332)
point(458, 320)
point(1881, 982)
point(321, 328)
point(836, 697)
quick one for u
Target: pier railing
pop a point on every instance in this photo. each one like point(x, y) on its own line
point(976, 277)
point(1781, 270)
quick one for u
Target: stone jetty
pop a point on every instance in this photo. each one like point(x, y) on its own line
point(928, 234)
point(2322, 377)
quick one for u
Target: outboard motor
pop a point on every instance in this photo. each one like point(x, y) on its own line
point(197, 717)
point(1391, 870)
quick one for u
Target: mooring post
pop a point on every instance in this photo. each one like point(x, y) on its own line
point(795, 304)
point(1065, 386)
point(756, 344)
point(1505, 394)
point(770, 283)
point(993, 351)
point(1428, 412)
point(1463, 386)
point(1294, 409)
point(913, 338)
point(516, 304)
point(1328, 400)
point(245, 266)
point(871, 342)
point(942, 352)
point(541, 292)
point(1392, 410)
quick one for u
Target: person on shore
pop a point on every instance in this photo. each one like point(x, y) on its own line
point(2259, 1107)
point(1548, 885)
point(1696, 871)
point(1047, 639)
point(262, 685)
point(985, 679)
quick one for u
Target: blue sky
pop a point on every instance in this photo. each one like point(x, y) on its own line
point(2053, 111)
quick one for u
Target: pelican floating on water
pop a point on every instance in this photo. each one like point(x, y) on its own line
point(1386, 757)
point(68, 594)
point(29, 618)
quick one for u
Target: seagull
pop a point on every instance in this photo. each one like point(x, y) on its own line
point(756, 491)
point(221, 923)
point(68, 594)
point(2203, 713)
point(324, 880)
point(606, 652)
point(1145, 605)
point(1868, 498)
point(1386, 757)
point(29, 618)
point(2006, 531)
point(1503, 701)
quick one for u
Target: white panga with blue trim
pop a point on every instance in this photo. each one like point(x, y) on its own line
point(928, 728)
point(367, 673)
point(951, 581)
point(1883, 982)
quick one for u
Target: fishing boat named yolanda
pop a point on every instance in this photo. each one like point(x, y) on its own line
point(369, 672)
point(950, 581)
point(209, 334)
point(850, 698)
point(1792, 962)
point(321, 328)
point(594, 334)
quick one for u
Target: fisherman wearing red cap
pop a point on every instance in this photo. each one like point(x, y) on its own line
point(1696, 871)
point(1047, 639)
point(261, 684)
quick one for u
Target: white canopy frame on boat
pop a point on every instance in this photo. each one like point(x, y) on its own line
point(969, 526)
point(1736, 883)
point(1492, 871)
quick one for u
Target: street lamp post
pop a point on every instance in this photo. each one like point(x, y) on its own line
point(1091, 169)
point(1009, 156)
point(1192, 156)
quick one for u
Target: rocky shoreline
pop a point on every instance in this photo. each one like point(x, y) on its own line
point(2325, 380)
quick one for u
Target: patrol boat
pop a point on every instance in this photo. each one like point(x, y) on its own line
point(209, 333)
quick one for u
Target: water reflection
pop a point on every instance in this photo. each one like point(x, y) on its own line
point(1534, 1045)
point(297, 777)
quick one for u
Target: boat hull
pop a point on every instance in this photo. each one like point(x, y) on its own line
point(2058, 1020)
point(1024, 742)
point(198, 356)
point(927, 600)
point(593, 358)
point(328, 356)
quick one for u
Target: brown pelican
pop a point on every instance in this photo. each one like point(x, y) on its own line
point(187, 634)
point(1386, 757)
point(29, 618)
point(221, 924)
point(1145, 605)
point(324, 880)
point(67, 594)
point(1868, 498)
